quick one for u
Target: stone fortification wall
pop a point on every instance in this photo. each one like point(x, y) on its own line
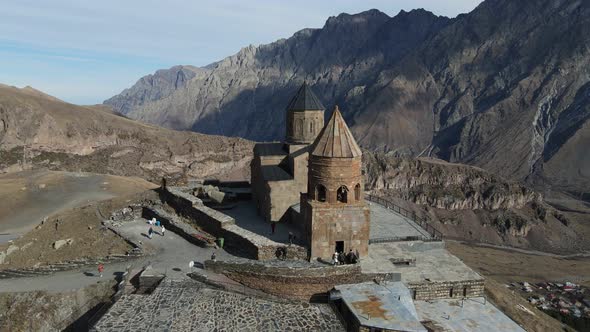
point(447, 289)
point(189, 206)
point(291, 279)
point(238, 241)
point(176, 225)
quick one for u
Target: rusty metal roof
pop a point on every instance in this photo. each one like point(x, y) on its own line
point(336, 140)
point(305, 100)
point(387, 306)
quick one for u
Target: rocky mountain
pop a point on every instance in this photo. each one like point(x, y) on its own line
point(37, 130)
point(443, 185)
point(505, 87)
point(470, 204)
point(465, 202)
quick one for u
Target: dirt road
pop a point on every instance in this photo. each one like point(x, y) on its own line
point(29, 196)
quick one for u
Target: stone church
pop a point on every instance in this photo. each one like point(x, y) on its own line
point(313, 179)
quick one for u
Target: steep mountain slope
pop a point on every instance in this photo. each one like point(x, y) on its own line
point(246, 94)
point(471, 204)
point(512, 83)
point(37, 130)
point(505, 87)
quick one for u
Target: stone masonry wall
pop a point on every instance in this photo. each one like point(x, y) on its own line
point(282, 194)
point(191, 207)
point(174, 224)
point(295, 282)
point(294, 252)
point(328, 223)
point(238, 241)
point(442, 290)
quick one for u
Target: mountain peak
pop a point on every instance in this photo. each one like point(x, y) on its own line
point(345, 18)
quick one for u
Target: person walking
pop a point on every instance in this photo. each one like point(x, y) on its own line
point(335, 259)
point(341, 257)
point(272, 227)
point(150, 232)
point(213, 258)
point(100, 269)
point(163, 230)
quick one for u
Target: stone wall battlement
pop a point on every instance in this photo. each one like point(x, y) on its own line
point(238, 240)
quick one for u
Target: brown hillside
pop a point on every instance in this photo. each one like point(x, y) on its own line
point(37, 130)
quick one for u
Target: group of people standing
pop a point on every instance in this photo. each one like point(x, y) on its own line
point(151, 230)
point(339, 258)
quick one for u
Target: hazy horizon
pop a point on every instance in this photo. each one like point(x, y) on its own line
point(85, 52)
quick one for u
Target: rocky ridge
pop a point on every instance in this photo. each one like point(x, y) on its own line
point(504, 87)
point(435, 183)
point(470, 204)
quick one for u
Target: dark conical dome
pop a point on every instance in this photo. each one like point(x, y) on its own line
point(336, 140)
point(305, 100)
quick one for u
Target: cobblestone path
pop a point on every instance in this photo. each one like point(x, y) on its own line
point(189, 306)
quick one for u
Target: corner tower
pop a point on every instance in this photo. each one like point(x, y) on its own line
point(335, 215)
point(305, 117)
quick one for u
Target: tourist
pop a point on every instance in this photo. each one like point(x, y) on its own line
point(279, 252)
point(213, 258)
point(163, 230)
point(100, 269)
point(341, 258)
point(335, 259)
point(150, 232)
point(291, 237)
point(272, 227)
point(56, 224)
point(349, 257)
point(355, 257)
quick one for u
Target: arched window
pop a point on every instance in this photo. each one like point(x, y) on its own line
point(311, 126)
point(357, 192)
point(299, 127)
point(320, 193)
point(342, 194)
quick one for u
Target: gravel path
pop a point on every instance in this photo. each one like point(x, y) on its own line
point(171, 255)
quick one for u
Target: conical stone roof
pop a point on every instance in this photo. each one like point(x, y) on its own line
point(305, 100)
point(336, 140)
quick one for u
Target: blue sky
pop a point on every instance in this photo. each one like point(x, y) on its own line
point(87, 51)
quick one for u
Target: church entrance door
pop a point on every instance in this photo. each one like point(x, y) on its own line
point(339, 246)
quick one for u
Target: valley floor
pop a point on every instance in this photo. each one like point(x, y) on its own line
point(508, 266)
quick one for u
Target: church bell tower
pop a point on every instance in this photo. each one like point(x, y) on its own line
point(305, 117)
point(335, 214)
